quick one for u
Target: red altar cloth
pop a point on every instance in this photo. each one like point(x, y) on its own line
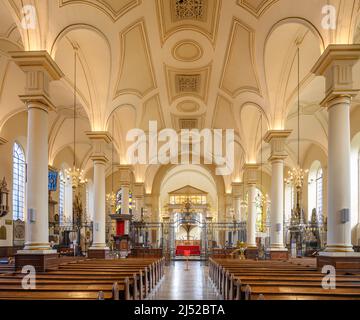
point(194, 250)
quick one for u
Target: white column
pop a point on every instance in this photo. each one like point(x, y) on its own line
point(336, 65)
point(99, 205)
point(125, 199)
point(236, 199)
point(125, 180)
point(100, 140)
point(251, 222)
point(40, 70)
point(277, 140)
point(251, 171)
point(37, 224)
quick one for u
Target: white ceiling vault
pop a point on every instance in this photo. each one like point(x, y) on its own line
point(202, 63)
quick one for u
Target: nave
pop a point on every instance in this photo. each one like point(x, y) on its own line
point(185, 283)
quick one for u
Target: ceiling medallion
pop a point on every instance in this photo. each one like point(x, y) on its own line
point(188, 106)
point(187, 51)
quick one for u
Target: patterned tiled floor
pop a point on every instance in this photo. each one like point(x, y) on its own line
point(179, 284)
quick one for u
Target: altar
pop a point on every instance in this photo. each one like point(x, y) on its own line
point(193, 246)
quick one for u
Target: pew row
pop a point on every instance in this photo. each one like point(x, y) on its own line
point(129, 279)
point(278, 280)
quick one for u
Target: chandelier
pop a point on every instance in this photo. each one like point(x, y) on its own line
point(111, 197)
point(75, 175)
point(296, 175)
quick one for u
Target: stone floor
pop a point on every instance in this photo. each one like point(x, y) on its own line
point(179, 284)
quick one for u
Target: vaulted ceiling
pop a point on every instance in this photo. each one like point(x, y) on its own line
point(184, 63)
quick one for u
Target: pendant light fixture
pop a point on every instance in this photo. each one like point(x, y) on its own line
point(111, 197)
point(262, 199)
point(297, 174)
point(75, 175)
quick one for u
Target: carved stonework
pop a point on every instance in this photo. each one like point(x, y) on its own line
point(187, 83)
point(251, 173)
point(99, 140)
point(277, 141)
point(39, 69)
point(236, 188)
point(125, 175)
point(189, 9)
point(336, 65)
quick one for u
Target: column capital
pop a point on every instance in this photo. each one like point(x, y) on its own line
point(251, 173)
point(125, 174)
point(236, 189)
point(2, 141)
point(277, 139)
point(40, 69)
point(100, 139)
point(139, 189)
point(336, 65)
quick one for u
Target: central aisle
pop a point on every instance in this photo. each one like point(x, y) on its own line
point(179, 284)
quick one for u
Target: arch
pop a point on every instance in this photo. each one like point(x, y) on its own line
point(279, 81)
point(299, 20)
point(72, 27)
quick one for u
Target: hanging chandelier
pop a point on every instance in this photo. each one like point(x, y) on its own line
point(75, 175)
point(296, 175)
point(111, 197)
point(262, 199)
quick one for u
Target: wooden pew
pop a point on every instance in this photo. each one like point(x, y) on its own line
point(84, 279)
point(277, 280)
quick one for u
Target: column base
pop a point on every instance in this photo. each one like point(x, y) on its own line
point(279, 254)
point(41, 260)
point(98, 253)
point(339, 260)
point(251, 253)
point(339, 248)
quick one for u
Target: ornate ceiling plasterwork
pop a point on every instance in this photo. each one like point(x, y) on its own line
point(188, 106)
point(239, 72)
point(195, 15)
point(256, 7)
point(187, 122)
point(135, 61)
point(188, 82)
point(187, 51)
point(113, 8)
point(152, 112)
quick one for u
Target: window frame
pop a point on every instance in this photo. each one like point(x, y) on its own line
point(19, 182)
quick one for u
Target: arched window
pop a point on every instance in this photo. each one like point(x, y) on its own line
point(61, 198)
point(18, 182)
point(315, 189)
point(119, 202)
point(289, 202)
point(319, 192)
point(259, 211)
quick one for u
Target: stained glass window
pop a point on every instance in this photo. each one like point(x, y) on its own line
point(61, 198)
